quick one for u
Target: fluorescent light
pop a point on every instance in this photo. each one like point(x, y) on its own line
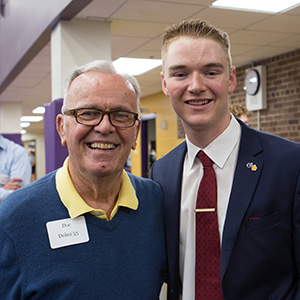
point(39, 110)
point(31, 118)
point(136, 66)
point(269, 6)
point(25, 124)
point(23, 131)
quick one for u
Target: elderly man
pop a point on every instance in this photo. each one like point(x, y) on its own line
point(88, 230)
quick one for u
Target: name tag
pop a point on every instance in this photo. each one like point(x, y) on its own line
point(67, 232)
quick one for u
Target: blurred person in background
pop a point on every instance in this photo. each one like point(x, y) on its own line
point(240, 112)
point(15, 169)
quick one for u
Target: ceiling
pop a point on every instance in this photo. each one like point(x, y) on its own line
point(136, 31)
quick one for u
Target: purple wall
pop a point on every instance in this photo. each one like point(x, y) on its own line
point(55, 152)
point(15, 137)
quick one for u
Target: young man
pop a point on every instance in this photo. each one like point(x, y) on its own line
point(88, 230)
point(257, 175)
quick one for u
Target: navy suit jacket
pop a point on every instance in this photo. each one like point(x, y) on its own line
point(260, 256)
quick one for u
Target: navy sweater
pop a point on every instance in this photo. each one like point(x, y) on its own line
point(123, 259)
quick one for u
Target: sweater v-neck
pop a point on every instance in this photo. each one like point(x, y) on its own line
point(104, 224)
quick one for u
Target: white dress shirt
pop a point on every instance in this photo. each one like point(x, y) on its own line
point(223, 151)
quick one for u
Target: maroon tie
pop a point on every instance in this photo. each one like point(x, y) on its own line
point(208, 252)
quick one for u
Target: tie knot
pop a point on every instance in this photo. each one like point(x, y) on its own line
point(205, 160)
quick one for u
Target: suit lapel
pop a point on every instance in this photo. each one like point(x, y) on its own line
point(248, 170)
point(173, 178)
point(173, 173)
point(169, 176)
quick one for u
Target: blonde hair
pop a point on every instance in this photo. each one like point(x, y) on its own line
point(196, 28)
point(238, 110)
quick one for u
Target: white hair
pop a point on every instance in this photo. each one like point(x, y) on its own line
point(104, 67)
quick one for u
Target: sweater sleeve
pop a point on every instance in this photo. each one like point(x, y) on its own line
point(9, 269)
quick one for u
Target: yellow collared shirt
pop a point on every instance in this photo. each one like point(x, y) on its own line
point(76, 206)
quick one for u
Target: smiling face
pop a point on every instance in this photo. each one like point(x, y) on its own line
point(102, 149)
point(197, 79)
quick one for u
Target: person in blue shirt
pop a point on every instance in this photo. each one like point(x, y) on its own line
point(15, 169)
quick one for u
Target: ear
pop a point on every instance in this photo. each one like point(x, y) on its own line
point(164, 84)
point(60, 129)
point(133, 147)
point(232, 80)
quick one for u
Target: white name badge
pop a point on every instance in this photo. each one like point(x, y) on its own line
point(4, 179)
point(67, 232)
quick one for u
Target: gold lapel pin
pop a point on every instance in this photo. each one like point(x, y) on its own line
point(251, 166)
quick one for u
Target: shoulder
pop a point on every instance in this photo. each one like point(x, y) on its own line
point(169, 165)
point(140, 183)
point(268, 138)
point(177, 153)
point(10, 145)
point(14, 150)
point(272, 145)
point(146, 188)
point(149, 194)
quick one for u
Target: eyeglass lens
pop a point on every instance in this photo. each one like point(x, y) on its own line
point(94, 117)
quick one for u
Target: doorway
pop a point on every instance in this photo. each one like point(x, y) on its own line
point(148, 143)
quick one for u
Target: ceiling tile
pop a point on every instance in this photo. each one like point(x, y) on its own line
point(278, 23)
point(230, 18)
point(137, 29)
point(291, 42)
point(101, 9)
point(249, 37)
point(162, 12)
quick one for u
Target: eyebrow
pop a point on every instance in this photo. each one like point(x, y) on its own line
point(176, 67)
point(209, 65)
point(215, 65)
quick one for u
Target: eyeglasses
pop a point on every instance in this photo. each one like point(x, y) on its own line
point(93, 117)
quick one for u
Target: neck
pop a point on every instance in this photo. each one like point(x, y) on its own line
point(99, 192)
point(202, 136)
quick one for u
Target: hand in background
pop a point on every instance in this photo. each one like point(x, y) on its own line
point(13, 184)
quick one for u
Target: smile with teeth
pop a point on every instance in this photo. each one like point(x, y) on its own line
point(198, 102)
point(102, 146)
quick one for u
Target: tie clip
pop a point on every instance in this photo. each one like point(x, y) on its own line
point(204, 210)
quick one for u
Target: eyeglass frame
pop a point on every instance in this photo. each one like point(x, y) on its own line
point(74, 111)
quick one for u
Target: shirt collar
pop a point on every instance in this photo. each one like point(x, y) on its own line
point(77, 206)
point(219, 149)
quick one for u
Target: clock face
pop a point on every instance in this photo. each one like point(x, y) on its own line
point(252, 82)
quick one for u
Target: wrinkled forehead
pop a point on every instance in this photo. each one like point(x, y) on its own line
point(96, 85)
point(94, 79)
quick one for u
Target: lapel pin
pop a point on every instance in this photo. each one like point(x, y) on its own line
point(251, 166)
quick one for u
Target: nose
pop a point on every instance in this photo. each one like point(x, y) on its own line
point(104, 126)
point(196, 84)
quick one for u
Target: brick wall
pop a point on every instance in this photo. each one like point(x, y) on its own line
point(282, 116)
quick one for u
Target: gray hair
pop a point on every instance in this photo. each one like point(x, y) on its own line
point(104, 67)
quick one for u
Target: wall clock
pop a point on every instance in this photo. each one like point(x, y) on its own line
point(255, 86)
point(252, 82)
